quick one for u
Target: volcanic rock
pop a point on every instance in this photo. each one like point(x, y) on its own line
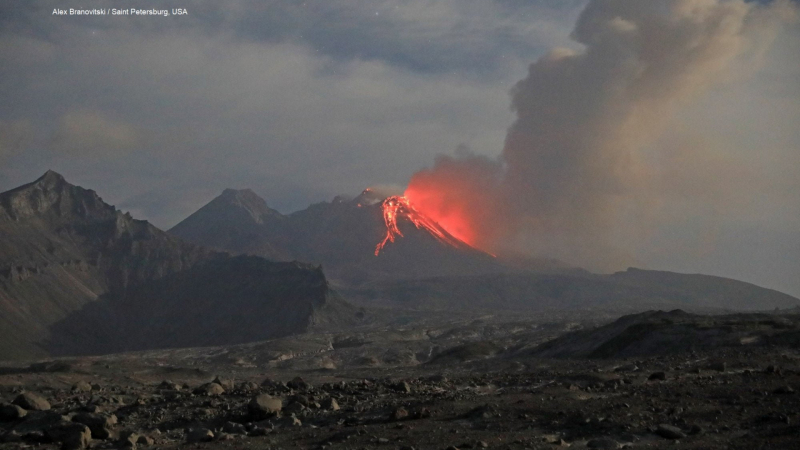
point(226, 384)
point(102, 426)
point(402, 386)
point(670, 432)
point(234, 428)
point(209, 389)
point(199, 435)
point(657, 376)
point(11, 413)
point(32, 402)
point(297, 383)
point(73, 436)
point(330, 404)
point(263, 406)
point(129, 439)
point(399, 414)
point(170, 386)
point(81, 386)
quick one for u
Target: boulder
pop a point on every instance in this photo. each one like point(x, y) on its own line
point(71, 435)
point(199, 435)
point(657, 376)
point(226, 384)
point(330, 404)
point(670, 432)
point(264, 405)
point(402, 387)
point(32, 402)
point(168, 385)
point(399, 414)
point(210, 389)
point(102, 425)
point(11, 413)
point(81, 386)
point(298, 383)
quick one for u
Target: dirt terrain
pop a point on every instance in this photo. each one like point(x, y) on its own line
point(435, 383)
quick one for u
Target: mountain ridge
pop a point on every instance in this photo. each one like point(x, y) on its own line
point(62, 250)
point(342, 235)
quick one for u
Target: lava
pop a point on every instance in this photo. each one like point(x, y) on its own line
point(398, 206)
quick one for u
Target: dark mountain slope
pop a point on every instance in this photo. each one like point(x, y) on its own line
point(633, 290)
point(62, 248)
point(230, 301)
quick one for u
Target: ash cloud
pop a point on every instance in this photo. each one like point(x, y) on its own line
point(576, 178)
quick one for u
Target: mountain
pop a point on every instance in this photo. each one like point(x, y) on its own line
point(76, 275)
point(425, 267)
point(238, 221)
point(341, 235)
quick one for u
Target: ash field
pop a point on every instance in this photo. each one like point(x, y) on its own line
point(119, 335)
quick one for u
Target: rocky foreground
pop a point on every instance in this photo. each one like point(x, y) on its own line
point(732, 398)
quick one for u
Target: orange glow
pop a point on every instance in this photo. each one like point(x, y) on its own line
point(451, 216)
point(398, 206)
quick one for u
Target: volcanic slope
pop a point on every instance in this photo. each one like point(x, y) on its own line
point(342, 235)
point(633, 290)
point(79, 276)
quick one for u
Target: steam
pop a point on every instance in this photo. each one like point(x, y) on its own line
point(577, 167)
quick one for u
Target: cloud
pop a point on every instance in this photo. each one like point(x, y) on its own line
point(89, 133)
point(14, 137)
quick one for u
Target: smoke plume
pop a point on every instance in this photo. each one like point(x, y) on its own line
point(577, 167)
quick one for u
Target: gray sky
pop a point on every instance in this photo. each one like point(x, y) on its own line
point(304, 101)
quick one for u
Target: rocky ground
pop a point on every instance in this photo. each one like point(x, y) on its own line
point(464, 385)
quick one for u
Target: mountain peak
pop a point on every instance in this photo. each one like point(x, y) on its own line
point(51, 178)
point(51, 193)
point(247, 200)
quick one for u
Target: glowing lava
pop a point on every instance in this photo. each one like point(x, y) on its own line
point(398, 206)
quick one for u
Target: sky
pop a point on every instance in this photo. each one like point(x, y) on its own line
point(303, 101)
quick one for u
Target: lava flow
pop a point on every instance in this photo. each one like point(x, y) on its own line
point(398, 206)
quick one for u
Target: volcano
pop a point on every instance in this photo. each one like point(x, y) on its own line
point(366, 237)
point(383, 250)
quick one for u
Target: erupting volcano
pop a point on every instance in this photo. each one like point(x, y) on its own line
point(398, 206)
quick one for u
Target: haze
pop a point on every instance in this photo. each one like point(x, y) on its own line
point(304, 101)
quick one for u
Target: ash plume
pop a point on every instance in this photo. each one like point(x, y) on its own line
point(576, 167)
